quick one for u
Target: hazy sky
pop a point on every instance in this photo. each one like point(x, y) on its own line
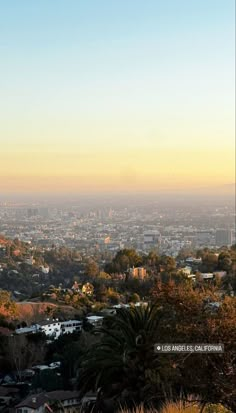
point(116, 94)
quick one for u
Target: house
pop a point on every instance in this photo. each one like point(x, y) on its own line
point(192, 260)
point(206, 275)
point(28, 330)
point(95, 320)
point(7, 396)
point(138, 272)
point(88, 400)
point(117, 306)
point(108, 311)
point(52, 329)
point(71, 326)
point(56, 401)
point(44, 269)
point(220, 274)
point(75, 286)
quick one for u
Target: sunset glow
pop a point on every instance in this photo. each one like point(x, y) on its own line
point(116, 95)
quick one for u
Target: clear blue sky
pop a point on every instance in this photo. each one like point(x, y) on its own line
point(85, 75)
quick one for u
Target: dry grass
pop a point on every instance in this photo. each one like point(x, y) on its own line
point(36, 311)
point(178, 407)
point(181, 407)
point(138, 409)
point(168, 408)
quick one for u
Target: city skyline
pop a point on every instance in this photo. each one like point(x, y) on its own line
point(110, 96)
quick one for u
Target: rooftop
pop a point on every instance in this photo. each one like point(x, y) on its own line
point(34, 401)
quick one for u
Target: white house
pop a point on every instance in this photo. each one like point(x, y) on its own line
point(95, 320)
point(71, 326)
point(53, 328)
point(28, 330)
point(45, 270)
point(207, 275)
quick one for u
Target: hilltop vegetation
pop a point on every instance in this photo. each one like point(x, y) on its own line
point(29, 270)
point(118, 361)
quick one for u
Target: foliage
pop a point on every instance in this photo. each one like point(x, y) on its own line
point(24, 351)
point(7, 306)
point(188, 317)
point(91, 268)
point(123, 260)
point(47, 380)
point(123, 365)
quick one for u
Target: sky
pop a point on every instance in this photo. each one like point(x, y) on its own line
point(111, 95)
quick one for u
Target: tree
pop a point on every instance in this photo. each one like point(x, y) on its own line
point(101, 293)
point(209, 262)
point(225, 261)
point(189, 317)
point(23, 351)
point(113, 296)
point(123, 365)
point(48, 380)
point(7, 306)
point(104, 276)
point(134, 298)
point(91, 268)
point(167, 263)
point(124, 260)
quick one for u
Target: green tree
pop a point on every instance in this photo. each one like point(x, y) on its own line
point(225, 261)
point(167, 263)
point(48, 380)
point(123, 365)
point(124, 260)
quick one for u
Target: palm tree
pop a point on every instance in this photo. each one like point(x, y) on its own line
point(123, 365)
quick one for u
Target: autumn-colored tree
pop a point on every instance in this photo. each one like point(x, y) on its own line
point(7, 306)
point(91, 268)
point(199, 316)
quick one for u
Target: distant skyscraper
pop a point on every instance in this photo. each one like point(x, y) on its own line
point(151, 239)
point(224, 237)
point(32, 212)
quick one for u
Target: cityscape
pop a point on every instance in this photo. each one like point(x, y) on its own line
point(117, 206)
point(145, 227)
